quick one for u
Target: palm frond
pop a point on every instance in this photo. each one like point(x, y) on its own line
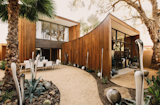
point(30, 9)
point(29, 13)
point(3, 12)
point(46, 7)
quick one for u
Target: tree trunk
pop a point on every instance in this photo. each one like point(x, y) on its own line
point(12, 51)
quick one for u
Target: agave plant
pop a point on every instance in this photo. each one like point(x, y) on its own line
point(33, 89)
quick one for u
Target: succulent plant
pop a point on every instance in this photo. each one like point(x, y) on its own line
point(33, 89)
point(47, 102)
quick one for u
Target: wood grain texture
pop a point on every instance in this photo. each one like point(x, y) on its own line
point(133, 38)
point(2, 51)
point(27, 39)
point(93, 42)
point(74, 32)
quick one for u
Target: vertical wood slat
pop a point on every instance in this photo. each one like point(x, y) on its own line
point(93, 42)
point(27, 39)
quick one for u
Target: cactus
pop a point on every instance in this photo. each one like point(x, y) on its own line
point(47, 102)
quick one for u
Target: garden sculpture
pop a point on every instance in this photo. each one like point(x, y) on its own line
point(22, 81)
point(87, 60)
point(139, 75)
point(113, 96)
point(99, 74)
point(14, 74)
point(139, 80)
point(101, 63)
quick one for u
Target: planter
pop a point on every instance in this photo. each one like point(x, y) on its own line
point(135, 63)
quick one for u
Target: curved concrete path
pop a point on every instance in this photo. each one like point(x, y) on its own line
point(76, 86)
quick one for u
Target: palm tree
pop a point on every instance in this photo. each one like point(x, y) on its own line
point(11, 10)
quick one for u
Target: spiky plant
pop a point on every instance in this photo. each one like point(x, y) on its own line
point(11, 10)
point(34, 89)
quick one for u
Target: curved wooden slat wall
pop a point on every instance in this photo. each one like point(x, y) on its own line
point(92, 42)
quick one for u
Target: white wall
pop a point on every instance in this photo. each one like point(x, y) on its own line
point(38, 30)
point(3, 31)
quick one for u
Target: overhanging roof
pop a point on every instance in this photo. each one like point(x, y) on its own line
point(122, 26)
point(59, 20)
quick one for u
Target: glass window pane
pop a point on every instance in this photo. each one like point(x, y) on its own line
point(66, 34)
point(116, 46)
point(113, 34)
point(120, 36)
point(128, 39)
point(46, 30)
point(61, 33)
point(128, 50)
point(54, 28)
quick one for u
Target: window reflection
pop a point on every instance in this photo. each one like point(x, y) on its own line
point(120, 36)
point(46, 30)
point(50, 31)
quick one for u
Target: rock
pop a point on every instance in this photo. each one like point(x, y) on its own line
point(56, 103)
point(47, 85)
point(7, 101)
point(47, 102)
point(48, 96)
point(52, 93)
point(37, 103)
point(40, 80)
point(0, 99)
point(10, 103)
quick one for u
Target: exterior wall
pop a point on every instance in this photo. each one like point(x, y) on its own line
point(147, 56)
point(74, 32)
point(2, 51)
point(27, 39)
point(134, 52)
point(92, 42)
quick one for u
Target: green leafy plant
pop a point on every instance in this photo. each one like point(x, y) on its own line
point(90, 71)
point(3, 65)
point(70, 64)
point(62, 63)
point(34, 89)
point(135, 59)
point(154, 88)
point(7, 95)
point(105, 80)
point(80, 67)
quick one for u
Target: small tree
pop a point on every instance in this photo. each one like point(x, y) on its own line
point(93, 22)
point(11, 10)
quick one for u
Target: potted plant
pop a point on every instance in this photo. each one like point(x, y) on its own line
point(135, 61)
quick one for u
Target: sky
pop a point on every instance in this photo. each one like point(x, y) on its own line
point(63, 10)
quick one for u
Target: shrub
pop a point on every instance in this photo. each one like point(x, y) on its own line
point(33, 89)
point(90, 71)
point(105, 80)
point(3, 65)
point(135, 59)
point(154, 89)
point(7, 95)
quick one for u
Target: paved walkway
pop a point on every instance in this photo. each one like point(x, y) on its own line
point(76, 86)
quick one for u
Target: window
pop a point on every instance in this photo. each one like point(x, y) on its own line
point(51, 31)
point(120, 36)
point(46, 30)
point(113, 34)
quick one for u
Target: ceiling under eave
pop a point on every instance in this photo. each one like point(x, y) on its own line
point(123, 28)
point(59, 20)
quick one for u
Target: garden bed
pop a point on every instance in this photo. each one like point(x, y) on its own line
point(51, 95)
point(102, 87)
